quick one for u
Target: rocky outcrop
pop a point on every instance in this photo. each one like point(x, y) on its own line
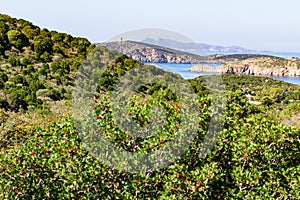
point(151, 53)
point(256, 66)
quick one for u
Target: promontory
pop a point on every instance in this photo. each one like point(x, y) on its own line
point(264, 66)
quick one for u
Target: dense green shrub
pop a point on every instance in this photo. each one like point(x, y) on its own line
point(253, 159)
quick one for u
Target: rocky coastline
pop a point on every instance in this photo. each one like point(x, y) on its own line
point(256, 66)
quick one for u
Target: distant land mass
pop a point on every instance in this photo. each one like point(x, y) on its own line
point(146, 52)
point(152, 53)
point(204, 49)
point(196, 47)
point(256, 66)
point(250, 64)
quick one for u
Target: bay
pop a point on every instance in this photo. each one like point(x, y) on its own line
point(183, 70)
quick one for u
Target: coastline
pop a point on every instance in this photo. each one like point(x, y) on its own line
point(269, 67)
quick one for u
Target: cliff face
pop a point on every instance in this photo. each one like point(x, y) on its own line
point(256, 66)
point(152, 53)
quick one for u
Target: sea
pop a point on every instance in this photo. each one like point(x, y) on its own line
point(183, 70)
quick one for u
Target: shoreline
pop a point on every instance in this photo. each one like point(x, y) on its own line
point(220, 73)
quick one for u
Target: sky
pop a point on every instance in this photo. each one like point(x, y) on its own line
point(256, 24)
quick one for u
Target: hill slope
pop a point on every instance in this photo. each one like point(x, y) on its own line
point(37, 65)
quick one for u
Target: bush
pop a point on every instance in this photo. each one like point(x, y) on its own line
point(17, 99)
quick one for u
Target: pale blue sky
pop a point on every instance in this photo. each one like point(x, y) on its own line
point(255, 24)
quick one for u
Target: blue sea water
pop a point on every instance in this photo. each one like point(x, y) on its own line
point(295, 81)
point(183, 70)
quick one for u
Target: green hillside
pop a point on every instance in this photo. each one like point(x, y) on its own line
point(36, 64)
point(43, 154)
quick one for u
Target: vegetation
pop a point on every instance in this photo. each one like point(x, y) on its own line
point(36, 64)
point(258, 87)
point(238, 57)
point(43, 156)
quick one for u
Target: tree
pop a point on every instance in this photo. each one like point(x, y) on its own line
point(42, 45)
point(7, 19)
point(57, 37)
point(4, 43)
point(30, 31)
point(23, 23)
point(17, 99)
point(17, 39)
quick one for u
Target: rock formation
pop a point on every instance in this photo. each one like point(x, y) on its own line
point(152, 53)
point(256, 66)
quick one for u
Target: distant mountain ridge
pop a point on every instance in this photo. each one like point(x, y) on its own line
point(196, 47)
point(204, 49)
